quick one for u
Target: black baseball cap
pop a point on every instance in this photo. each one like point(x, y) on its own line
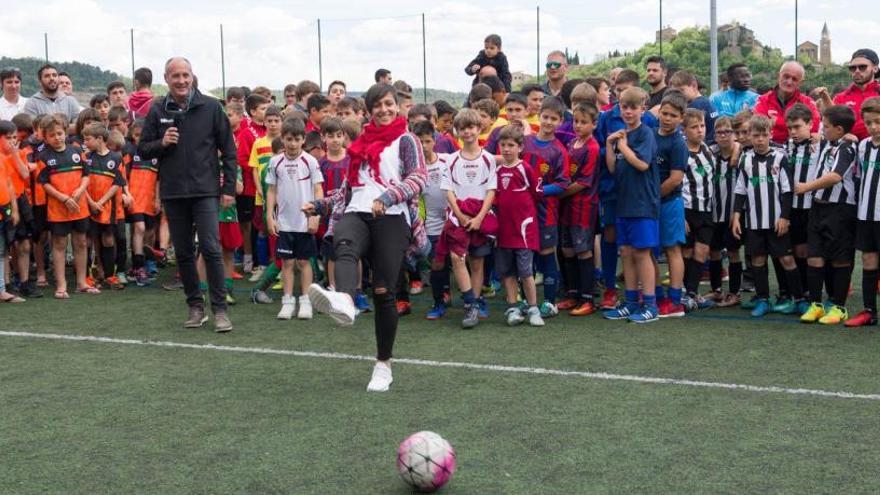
point(867, 53)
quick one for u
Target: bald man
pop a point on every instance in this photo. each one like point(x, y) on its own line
point(778, 100)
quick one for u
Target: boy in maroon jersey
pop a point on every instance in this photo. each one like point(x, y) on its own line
point(580, 203)
point(519, 191)
point(548, 157)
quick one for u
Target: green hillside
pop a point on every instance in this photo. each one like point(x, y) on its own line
point(86, 78)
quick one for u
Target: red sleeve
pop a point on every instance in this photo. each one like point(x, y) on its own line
point(245, 143)
point(817, 117)
point(761, 105)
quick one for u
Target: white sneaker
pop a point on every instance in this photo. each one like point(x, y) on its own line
point(514, 316)
point(535, 319)
point(288, 306)
point(305, 308)
point(257, 273)
point(338, 305)
point(381, 380)
point(247, 265)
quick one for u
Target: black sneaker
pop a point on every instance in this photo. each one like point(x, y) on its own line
point(29, 291)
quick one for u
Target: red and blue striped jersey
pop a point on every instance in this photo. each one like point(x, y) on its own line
point(550, 161)
point(580, 208)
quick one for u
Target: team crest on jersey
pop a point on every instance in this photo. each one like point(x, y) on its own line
point(544, 167)
point(52, 162)
point(471, 175)
point(75, 158)
point(111, 164)
point(136, 158)
point(505, 181)
point(573, 168)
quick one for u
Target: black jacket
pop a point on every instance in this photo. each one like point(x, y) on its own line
point(498, 61)
point(191, 168)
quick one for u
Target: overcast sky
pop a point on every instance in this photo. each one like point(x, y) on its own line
point(274, 42)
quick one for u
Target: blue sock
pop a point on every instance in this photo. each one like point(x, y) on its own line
point(632, 298)
point(659, 292)
point(468, 296)
point(548, 266)
point(609, 264)
point(675, 295)
point(650, 301)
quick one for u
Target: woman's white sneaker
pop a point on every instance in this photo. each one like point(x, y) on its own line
point(338, 305)
point(305, 308)
point(288, 306)
point(381, 380)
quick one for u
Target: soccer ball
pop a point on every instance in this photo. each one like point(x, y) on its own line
point(426, 461)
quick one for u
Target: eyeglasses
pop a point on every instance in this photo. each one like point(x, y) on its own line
point(725, 132)
point(553, 65)
point(859, 67)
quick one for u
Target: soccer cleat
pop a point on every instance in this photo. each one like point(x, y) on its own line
point(123, 278)
point(381, 379)
point(583, 309)
point(548, 309)
point(750, 304)
point(514, 317)
point(196, 317)
point(230, 299)
point(338, 305)
point(787, 307)
point(483, 308)
point(836, 315)
point(305, 308)
point(288, 306)
point(471, 316)
point(609, 299)
point(812, 315)
point(646, 314)
point(863, 319)
point(256, 273)
point(236, 275)
point(114, 283)
point(729, 300)
point(151, 268)
point(534, 315)
point(361, 303)
point(260, 297)
point(802, 306)
point(621, 312)
point(670, 310)
point(488, 291)
point(567, 303)
point(415, 287)
point(780, 304)
point(762, 307)
point(141, 278)
point(437, 311)
point(403, 308)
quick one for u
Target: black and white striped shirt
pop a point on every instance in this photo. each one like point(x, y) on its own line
point(760, 186)
point(724, 178)
point(838, 157)
point(697, 188)
point(869, 181)
point(802, 158)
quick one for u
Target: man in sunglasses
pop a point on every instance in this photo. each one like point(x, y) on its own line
point(12, 102)
point(557, 68)
point(863, 67)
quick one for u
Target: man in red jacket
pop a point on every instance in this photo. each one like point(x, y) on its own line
point(778, 100)
point(863, 67)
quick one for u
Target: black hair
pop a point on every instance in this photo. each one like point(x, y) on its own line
point(444, 108)
point(7, 127)
point(840, 115)
point(114, 85)
point(381, 73)
point(331, 125)
point(317, 102)
point(10, 72)
point(656, 59)
point(423, 128)
point(376, 93)
point(493, 39)
point(526, 89)
point(732, 68)
point(517, 97)
point(493, 82)
point(143, 77)
point(799, 111)
point(423, 109)
point(98, 98)
point(293, 126)
point(46, 67)
point(253, 101)
point(676, 100)
point(627, 76)
point(567, 88)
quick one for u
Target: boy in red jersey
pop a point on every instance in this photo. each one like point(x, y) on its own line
point(544, 153)
point(249, 131)
point(580, 203)
point(65, 178)
point(519, 191)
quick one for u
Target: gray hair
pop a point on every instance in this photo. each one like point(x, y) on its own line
point(176, 59)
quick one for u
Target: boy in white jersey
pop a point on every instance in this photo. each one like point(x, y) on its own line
point(727, 154)
point(470, 183)
point(294, 178)
point(698, 192)
point(868, 228)
point(802, 154)
point(434, 200)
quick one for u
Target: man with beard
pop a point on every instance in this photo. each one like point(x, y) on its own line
point(778, 100)
point(12, 103)
point(656, 70)
point(863, 67)
point(557, 67)
point(49, 99)
point(738, 96)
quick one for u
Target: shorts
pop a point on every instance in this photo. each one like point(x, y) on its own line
point(672, 231)
point(722, 238)
point(831, 232)
point(549, 236)
point(482, 250)
point(765, 242)
point(702, 226)
point(797, 228)
point(638, 232)
point(868, 236)
point(514, 262)
point(245, 207)
point(327, 251)
point(608, 212)
point(458, 241)
point(81, 226)
point(296, 245)
point(96, 229)
point(41, 220)
point(230, 236)
point(150, 221)
point(25, 228)
point(578, 238)
point(258, 219)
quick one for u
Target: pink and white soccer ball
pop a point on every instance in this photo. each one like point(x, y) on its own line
point(426, 461)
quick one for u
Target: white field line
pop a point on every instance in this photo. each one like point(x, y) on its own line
point(454, 364)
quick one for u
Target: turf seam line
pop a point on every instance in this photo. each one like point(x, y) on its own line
point(454, 364)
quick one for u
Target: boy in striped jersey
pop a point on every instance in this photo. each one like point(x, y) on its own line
point(727, 152)
point(698, 192)
point(802, 155)
point(868, 229)
point(832, 223)
point(763, 196)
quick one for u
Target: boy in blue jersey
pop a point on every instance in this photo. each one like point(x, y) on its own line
point(609, 123)
point(687, 84)
point(630, 155)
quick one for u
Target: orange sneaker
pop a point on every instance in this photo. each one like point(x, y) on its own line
point(583, 309)
point(236, 275)
point(609, 299)
point(403, 308)
point(862, 319)
point(567, 303)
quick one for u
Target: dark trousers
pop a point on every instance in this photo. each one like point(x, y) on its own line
point(383, 240)
point(187, 216)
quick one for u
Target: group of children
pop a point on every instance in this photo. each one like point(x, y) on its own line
point(520, 185)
